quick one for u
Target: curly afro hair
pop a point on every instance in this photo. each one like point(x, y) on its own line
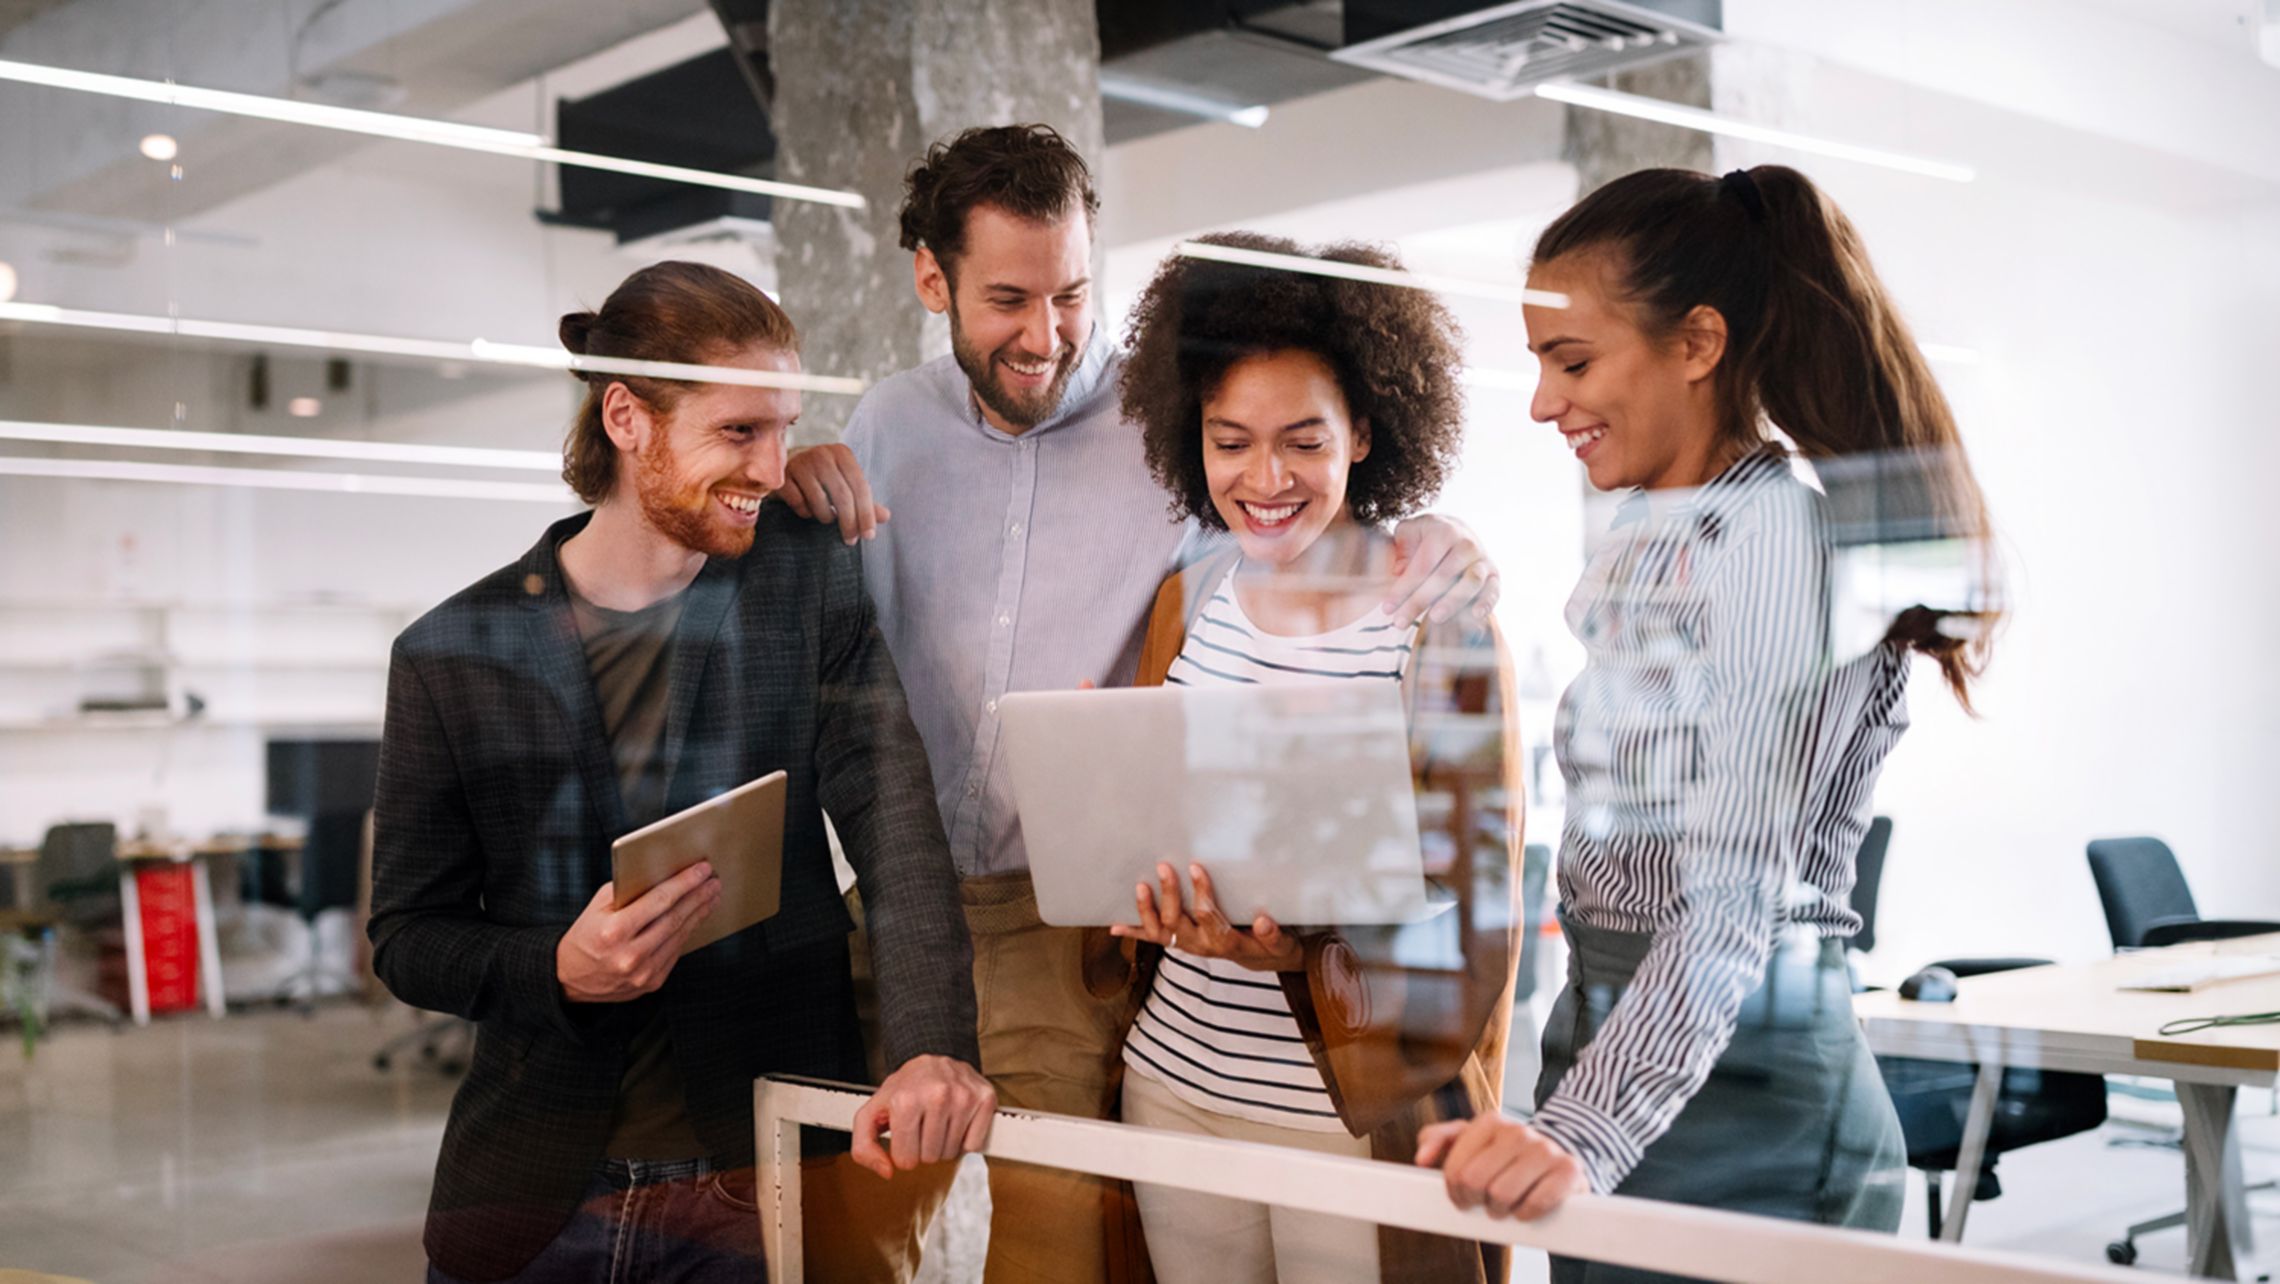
point(1395, 351)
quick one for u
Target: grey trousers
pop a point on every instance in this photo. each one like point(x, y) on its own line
point(1794, 1120)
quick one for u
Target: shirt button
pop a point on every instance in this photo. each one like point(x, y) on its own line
point(973, 791)
point(1017, 529)
point(1004, 620)
point(989, 706)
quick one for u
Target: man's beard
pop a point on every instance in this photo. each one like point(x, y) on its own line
point(1014, 408)
point(683, 515)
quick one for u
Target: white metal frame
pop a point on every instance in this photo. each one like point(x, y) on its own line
point(1639, 1233)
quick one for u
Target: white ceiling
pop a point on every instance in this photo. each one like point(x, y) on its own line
point(2219, 22)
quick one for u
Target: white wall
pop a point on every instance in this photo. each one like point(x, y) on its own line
point(2126, 305)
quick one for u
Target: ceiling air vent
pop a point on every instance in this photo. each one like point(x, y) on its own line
point(1504, 51)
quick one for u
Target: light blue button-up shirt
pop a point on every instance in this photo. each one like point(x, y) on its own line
point(1011, 564)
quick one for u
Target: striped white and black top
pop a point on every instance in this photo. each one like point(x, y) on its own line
point(1719, 763)
point(1219, 1035)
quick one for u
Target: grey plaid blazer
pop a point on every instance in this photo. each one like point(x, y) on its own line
point(496, 806)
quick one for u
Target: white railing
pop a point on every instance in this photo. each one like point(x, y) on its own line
point(1640, 1233)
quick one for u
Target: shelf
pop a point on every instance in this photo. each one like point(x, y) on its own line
point(211, 606)
point(136, 722)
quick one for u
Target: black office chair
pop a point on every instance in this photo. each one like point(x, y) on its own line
point(76, 882)
point(328, 876)
point(2033, 1106)
point(1868, 878)
point(1933, 1097)
point(2148, 904)
point(1535, 866)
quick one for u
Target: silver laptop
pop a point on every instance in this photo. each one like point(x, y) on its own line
point(1296, 799)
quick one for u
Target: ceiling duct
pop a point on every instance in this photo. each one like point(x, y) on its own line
point(1503, 51)
point(702, 113)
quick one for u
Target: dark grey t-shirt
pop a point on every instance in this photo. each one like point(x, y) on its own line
point(630, 655)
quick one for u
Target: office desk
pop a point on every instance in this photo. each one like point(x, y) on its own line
point(2074, 1018)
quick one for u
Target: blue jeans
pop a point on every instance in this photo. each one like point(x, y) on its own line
point(643, 1222)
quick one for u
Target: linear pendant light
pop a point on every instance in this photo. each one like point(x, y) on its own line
point(289, 479)
point(1375, 275)
point(485, 351)
point(410, 129)
point(392, 452)
point(1669, 113)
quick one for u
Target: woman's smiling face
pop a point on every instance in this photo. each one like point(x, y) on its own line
point(1637, 410)
point(1278, 444)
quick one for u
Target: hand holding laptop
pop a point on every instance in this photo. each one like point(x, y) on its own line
point(1206, 930)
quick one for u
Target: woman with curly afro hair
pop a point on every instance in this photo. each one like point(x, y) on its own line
point(1304, 413)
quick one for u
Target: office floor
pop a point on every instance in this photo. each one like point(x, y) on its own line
point(266, 1148)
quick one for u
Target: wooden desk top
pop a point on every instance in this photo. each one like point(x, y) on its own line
point(19, 855)
point(2078, 1009)
point(221, 845)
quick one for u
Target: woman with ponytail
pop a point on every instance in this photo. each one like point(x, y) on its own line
point(1719, 754)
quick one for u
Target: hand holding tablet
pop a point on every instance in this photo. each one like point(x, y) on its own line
point(740, 834)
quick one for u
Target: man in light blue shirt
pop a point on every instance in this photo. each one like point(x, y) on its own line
point(1027, 542)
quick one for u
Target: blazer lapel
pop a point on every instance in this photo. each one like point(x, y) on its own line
point(559, 658)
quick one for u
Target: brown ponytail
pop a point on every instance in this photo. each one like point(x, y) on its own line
point(1814, 347)
point(690, 313)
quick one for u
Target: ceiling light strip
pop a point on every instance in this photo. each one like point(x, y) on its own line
point(410, 129)
point(1148, 93)
point(1640, 107)
point(1375, 275)
point(393, 452)
point(287, 479)
point(485, 351)
point(291, 111)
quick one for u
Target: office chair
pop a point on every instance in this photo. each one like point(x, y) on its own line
point(2148, 904)
point(2033, 1106)
point(1535, 867)
point(1868, 877)
point(1932, 1097)
point(330, 877)
point(77, 883)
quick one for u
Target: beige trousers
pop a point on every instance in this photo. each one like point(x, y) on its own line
point(1048, 1043)
point(1206, 1239)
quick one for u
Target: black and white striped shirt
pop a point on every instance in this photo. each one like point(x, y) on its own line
point(1219, 1035)
point(1719, 764)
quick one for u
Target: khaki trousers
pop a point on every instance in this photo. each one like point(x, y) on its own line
point(1194, 1238)
point(1052, 1040)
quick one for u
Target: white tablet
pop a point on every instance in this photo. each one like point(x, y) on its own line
point(741, 832)
point(1296, 799)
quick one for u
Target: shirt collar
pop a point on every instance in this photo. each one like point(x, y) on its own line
point(1710, 498)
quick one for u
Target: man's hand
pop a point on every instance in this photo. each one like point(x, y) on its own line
point(1439, 569)
point(823, 484)
point(1502, 1165)
point(1207, 931)
point(933, 1108)
point(613, 955)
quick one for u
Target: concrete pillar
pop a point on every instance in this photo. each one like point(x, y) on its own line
point(862, 86)
point(1604, 146)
